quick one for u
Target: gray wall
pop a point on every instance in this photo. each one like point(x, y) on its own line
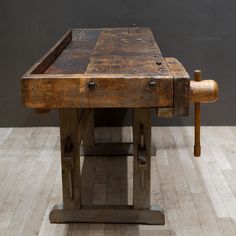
point(201, 34)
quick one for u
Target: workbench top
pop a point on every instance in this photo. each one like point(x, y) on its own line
point(106, 67)
point(111, 51)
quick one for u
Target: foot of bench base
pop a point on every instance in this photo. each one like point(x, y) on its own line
point(108, 214)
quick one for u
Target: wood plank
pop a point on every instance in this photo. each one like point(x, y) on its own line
point(44, 62)
point(166, 112)
point(100, 183)
point(76, 47)
point(126, 41)
point(73, 124)
point(124, 51)
point(89, 136)
point(118, 92)
point(84, 118)
point(110, 149)
point(70, 157)
point(114, 182)
point(88, 179)
point(181, 86)
point(75, 57)
point(153, 215)
point(142, 158)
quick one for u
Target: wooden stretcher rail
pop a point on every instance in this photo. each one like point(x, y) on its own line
point(103, 214)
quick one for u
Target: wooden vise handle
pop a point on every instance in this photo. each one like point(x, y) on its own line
point(197, 119)
point(201, 92)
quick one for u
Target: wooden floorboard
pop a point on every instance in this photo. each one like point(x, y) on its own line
point(198, 194)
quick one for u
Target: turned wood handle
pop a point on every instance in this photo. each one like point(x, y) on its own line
point(197, 114)
point(205, 91)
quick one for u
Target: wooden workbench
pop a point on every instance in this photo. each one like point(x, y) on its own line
point(106, 68)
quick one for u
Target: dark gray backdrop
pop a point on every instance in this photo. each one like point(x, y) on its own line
point(201, 34)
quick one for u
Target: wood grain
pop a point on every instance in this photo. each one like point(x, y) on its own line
point(110, 215)
point(70, 158)
point(124, 51)
point(113, 58)
point(44, 62)
point(75, 58)
point(181, 87)
point(141, 175)
point(120, 91)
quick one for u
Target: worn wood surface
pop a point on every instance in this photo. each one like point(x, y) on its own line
point(126, 67)
point(73, 124)
point(142, 158)
point(52, 55)
point(120, 91)
point(113, 58)
point(70, 158)
point(108, 214)
point(180, 87)
point(121, 51)
point(75, 58)
point(89, 136)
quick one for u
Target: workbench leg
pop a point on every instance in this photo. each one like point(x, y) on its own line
point(142, 158)
point(73, 129)
point(70, 157)
point(89, 137)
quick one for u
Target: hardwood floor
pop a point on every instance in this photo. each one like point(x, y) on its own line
point(198, 195)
